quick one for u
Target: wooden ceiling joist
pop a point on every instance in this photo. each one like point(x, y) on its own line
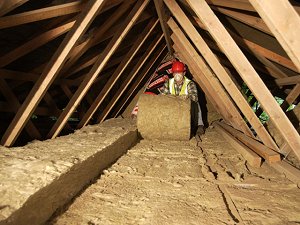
point(221, 73)
point(50, 72)
point(282, 19)
point(285, 81)
point(129, 78)
point(117, 73)
point(247, 72)
point(97, 68)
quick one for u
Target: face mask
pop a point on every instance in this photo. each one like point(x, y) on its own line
point(178, 77)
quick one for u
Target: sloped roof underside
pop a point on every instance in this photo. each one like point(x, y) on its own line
point(65, 64)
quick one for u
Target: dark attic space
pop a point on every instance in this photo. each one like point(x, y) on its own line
point(149, 112)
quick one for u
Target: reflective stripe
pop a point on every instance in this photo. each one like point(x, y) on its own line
point(183, 91)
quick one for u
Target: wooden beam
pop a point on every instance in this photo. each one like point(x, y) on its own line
point(34, 44)
point(282, 19)
point(293, 95)
point(160, 9)
point(288, 80)
point(98, 66)
point(7, 6)
point(129, 79)
point(268, 154)
point(220, 72)
point(30, 128)
point(41, 14)
point(95, 37)
point(50, 72)
point(248, 74)
point(118, 72)
point(251, 157)
point(139, 80)
point(250, 20)
point(235, 4)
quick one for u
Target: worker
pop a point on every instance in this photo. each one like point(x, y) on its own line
point(180, 85)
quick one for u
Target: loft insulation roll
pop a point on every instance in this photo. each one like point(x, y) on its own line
point(164, 117)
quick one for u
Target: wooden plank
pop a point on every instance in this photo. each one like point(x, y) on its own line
point(251, 157)
point(250, 20)
point(41, 14)
point(291, 172)
point(30, 128)
point(118, 72)
point(34, 43)
point(95, 37)
point(139, 80)
point(7, 6)
point(50, 72)
point(282, 19)
point(293, 95)
point(288, 80)
point(160, 9)
point(235, 4)
point(97, 68)
point(268, 154)
point(247, 73)
point(220, 72)
point(129, 79)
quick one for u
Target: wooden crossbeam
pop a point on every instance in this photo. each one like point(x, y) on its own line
point(161, 51)
point(235, 4)
point(160, 9)
point(250, 156)
point(41, 14)
point(288, 80)
point(7, 6)
point(220, 72)
point(268, 154)
point(117, 73)
point(50, 72)
point(34, 43)
point(247, 73)
point(282, 19)
point(293, 95)
point(131, 76)
point(97, 68)
point(30, 128)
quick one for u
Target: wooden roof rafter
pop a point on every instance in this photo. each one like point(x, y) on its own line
point(246, 71)
point(98, 66)
point(50, 72)
point(221, 73)
point(117, 73)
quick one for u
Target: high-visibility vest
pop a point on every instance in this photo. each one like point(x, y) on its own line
point(183, 91)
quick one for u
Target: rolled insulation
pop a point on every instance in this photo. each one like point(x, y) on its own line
point(164, 117)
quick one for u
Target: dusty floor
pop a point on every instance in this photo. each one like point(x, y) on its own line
point(182, 183)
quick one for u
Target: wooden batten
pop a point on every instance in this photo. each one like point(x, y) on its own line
point(8, 6)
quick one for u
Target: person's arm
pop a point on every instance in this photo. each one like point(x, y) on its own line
point(165, 90)
point(192, 91)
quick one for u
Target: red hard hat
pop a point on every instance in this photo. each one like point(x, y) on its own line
point(178, 67)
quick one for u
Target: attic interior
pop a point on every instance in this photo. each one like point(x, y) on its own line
point(71, 70)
